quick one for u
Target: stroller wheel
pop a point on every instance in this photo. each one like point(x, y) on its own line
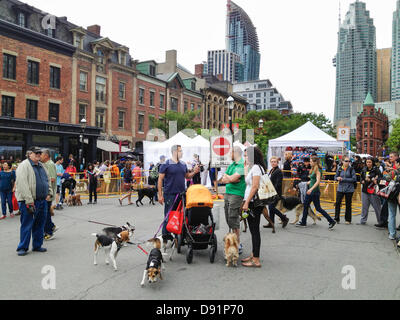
point(179, 247)
point(215, 243)
point(189, 255)
point(212, 254)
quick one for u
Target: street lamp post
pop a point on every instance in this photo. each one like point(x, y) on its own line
point(82, 137)
point(261, 124)
point(231, 101)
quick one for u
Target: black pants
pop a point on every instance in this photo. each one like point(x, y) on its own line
point(93, 191)
point(274, 211)
point(339, 199)
point(254, 226)
point(197, 179)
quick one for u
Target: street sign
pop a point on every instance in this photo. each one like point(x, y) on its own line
point(221, 152)
point(343, 134)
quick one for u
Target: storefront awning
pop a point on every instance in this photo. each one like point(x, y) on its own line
point(109, 146)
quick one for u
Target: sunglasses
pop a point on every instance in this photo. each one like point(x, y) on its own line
point(346, 161)
point(38, 153)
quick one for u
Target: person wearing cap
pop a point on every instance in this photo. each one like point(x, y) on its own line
point(33, 190)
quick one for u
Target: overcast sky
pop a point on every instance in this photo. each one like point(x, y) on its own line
point(298, 39)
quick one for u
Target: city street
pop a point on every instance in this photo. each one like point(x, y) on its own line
point(296, 263)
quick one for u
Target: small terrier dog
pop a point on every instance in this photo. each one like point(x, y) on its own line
point(231, 249)
point(155, 263)
point(112, 245)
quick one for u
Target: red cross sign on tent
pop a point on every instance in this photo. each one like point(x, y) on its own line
point(221, 152)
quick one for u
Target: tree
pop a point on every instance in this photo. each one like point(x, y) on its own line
point(184, 121)
point(394, 139)
point(277, 125)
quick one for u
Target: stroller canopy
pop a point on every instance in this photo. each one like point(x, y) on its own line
point(198, 196)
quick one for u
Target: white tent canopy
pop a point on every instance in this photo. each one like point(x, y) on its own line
point(306, 136)
point(154, 150)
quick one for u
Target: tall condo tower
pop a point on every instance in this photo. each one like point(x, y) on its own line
point(355, 60)
point(396, 54)
point(242, 39)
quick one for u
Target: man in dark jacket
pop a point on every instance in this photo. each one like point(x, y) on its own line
point(276, 177)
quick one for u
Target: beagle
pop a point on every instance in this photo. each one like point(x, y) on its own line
point(155, 263)
point(112, 245)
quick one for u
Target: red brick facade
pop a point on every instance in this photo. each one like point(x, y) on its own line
point(372, 131)
point(22, 90)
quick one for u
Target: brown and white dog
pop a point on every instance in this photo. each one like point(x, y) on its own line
point(74, 200)
point(155, 264)
point(111, 246)
point(231, 249)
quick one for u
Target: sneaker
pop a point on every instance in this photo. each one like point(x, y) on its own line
point(12, 215)
point(95, 202)
point(18, 213)
point(300, 225)
point(55, 228)
point(40, 250)
point(380, 226)
point(240, 249)
point(3, 217)
point(48, 237)
point(22, 253)
point(332, 225)
point(348, 223)
point(392, 238)
point(361, 223)
point(337, 221)
point(398, 228)
point(90, 203)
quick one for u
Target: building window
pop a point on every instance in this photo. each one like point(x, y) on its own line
point(122, 90)
point(7, 106)
point(82, 112)
point(9, 66)
point(83, 81)
point(54, 111)
point(141, 123)
point(50, 32)
point(174, 104)
point(100, 57)
point(78, 41)
point(22, 19)
point(100, 118)
point(193, 86)
point(121, 119)
point(162, 101)
point(271, 94)
point(141, 96)
point(101, 89)
point(192, 106)
point(185, 106)
point(122, 58)
point(55, 77)
point(152, 96)
point(31, 109)
point(33, 72)
point(152, 118)
point(152, 70)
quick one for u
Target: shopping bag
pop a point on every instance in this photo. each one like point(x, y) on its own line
point(175, 220)
point(15, 202)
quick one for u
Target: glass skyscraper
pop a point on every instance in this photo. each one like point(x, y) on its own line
point(396, 54)
point(355, 60)
point(242, 39)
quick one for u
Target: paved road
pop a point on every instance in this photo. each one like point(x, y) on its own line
point(297, 263)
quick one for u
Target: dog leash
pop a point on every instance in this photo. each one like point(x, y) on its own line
point(103, 224)
point(166, 218)
point(138, 245)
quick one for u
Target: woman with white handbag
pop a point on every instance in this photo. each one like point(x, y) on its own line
point(254, 170)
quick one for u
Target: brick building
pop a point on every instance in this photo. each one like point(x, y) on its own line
point(372, 129)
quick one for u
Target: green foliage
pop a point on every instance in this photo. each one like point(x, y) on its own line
point(277, 125)
point(394, 139)
point(184, 120)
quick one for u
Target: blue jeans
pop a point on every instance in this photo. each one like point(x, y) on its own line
point(49, 225)
point(392, 206)
point(169, 205)
point(32, 225)
point(6, 197)
point(314, 198)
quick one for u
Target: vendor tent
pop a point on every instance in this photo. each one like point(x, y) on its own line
point(307, 135)
point(198, 145)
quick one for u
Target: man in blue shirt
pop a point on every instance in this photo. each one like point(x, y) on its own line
point(172, 175)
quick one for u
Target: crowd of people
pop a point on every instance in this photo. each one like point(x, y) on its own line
point(38, 182)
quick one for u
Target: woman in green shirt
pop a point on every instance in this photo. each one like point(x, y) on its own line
point(314, 194)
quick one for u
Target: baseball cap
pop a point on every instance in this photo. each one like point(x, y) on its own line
point(35, 150)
